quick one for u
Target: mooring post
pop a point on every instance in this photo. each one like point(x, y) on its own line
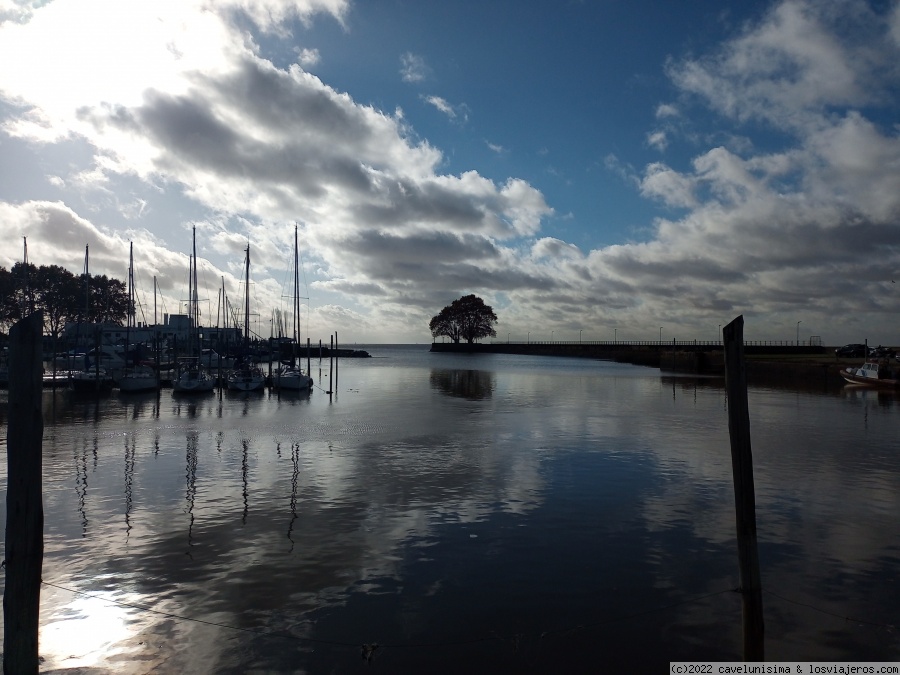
point(330, 367)
point(24, 506)
point(744, 495)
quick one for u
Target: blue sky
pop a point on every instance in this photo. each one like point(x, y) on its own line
point(588, 168)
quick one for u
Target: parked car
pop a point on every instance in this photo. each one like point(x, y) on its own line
point(851, 350)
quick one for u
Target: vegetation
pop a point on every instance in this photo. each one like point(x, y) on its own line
point(64, 297)
point(465, 319)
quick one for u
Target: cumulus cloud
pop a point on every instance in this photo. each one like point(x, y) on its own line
point(308, 57)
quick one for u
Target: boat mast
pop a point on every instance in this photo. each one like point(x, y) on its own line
point(195, 303)
point(130, 321)
point(247, 302)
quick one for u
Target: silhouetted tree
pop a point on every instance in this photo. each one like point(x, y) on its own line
point(465, 319)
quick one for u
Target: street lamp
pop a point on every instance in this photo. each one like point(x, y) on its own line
point(660, 333)
point(798, 332)
point(579, 335)
point(615, 335)
point(720, 332)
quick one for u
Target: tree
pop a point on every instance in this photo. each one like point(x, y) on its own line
point(465, 319)
point(109, 300)
point(57, 291)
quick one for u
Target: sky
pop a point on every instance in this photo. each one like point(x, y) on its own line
point(591, 169)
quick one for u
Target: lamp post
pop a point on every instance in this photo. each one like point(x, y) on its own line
point(798, 332)
point(660, 333)
point(720, 333)
point(615, 335)
point(507, 338)
point(579, 335)
point(551, 336)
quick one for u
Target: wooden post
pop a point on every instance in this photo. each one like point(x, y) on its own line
point(24, 508)
point(744, 496)
point(330, 367)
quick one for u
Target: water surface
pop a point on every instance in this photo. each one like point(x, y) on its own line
point(481, 513)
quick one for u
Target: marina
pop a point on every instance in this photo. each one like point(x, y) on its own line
point(454, 513)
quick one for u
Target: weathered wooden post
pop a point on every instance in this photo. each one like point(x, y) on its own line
point(330, 367)
point(24, 506)
point(744, 495)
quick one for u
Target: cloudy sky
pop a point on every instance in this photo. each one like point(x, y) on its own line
point(588, 168)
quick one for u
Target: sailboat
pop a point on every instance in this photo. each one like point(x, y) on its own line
point(191, 377)
point(292, 378)
point(246, 376)
point(135, 377)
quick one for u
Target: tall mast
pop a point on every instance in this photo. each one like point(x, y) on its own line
point(130, 321)
point(296, 291)
point(247, 301)
point(131, 308)
point(87, 284)
point(195, 305)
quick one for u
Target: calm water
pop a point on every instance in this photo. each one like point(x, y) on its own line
point(467, 514)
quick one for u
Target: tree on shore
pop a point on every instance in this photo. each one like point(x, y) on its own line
point(467, 318)
point(61, 295)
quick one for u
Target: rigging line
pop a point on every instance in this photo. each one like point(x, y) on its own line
point(828, 613)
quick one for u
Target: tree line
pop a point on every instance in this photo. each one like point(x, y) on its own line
point(64, 297)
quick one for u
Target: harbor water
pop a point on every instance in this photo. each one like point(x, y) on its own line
point(451, 513)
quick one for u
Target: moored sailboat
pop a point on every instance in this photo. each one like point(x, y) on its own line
point(247, 375)
point(291, 377)
point(191, 377)
point(135, 377)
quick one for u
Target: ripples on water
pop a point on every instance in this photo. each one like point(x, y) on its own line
point(468, 514)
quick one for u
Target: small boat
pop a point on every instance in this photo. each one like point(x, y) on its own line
point(872, 374)
point(291, 378)
point(91, 380)
point(246, 377)
point(192, 378)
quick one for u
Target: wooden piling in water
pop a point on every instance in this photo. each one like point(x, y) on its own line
point(24, 506)
point(744, 494)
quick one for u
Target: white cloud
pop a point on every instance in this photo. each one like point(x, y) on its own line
point(658, 140)
point(666, 110)
point(308, 57)
point(413, 68)
point(454, 112)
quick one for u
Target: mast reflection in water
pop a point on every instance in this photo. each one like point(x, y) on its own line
point(467, 514)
